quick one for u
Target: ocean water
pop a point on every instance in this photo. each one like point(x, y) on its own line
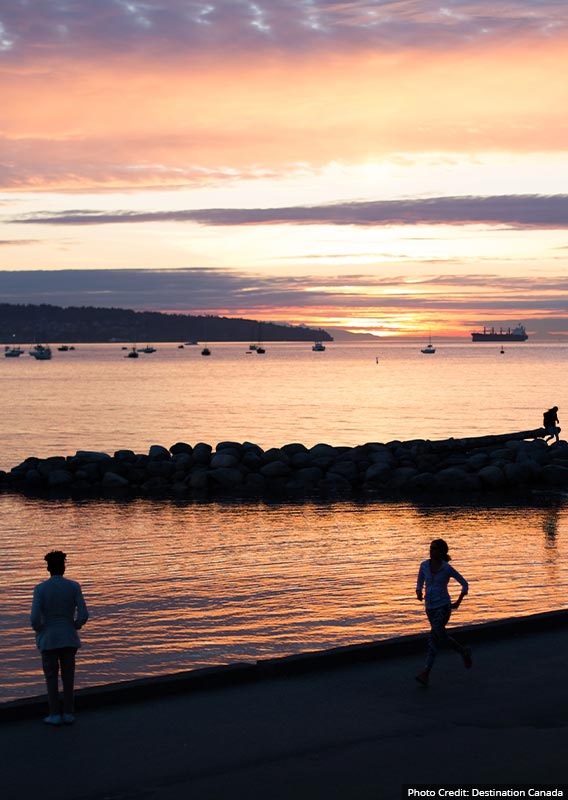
point(93, 398)
point(176, 586)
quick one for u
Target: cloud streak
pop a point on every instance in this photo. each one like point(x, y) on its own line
point(181, 26)
point(240, 293)
point(514, 211)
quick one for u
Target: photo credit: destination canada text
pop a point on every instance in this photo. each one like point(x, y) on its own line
point(421, 791)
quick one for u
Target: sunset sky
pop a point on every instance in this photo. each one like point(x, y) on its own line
point(388, 167)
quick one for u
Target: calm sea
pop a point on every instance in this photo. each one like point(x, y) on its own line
point(173, 586)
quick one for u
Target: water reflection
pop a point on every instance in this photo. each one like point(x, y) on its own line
point(173, 586)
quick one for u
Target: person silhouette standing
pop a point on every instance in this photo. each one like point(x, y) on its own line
point(58, 612)
point(435, 574)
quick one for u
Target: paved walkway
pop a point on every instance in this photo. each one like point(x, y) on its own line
point(357, 732)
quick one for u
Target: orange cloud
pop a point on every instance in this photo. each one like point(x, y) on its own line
point(129, 123)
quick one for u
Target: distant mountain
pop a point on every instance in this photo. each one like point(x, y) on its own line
point(46, 323)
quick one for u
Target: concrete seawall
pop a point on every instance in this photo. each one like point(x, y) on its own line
point(198, 680)
point(510, 463)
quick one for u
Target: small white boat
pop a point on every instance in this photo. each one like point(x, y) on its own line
point(319, 347)
point(13, 352)
point(148, 349)
point(190, 343)
point(429, 348)
point(253, 347)
point(41, 352)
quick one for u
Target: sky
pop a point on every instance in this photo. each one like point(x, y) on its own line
point(388, 167)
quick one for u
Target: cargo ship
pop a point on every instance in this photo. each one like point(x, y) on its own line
point(518, 334)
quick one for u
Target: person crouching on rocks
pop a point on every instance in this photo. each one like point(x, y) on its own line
point(435, 574)
point(550, 423)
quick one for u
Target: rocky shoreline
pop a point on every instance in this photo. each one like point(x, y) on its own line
point(506, 463)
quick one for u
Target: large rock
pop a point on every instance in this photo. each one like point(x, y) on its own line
point(181, 447)
point(335, 484)
point(59, 479)
point(159, 453)
point(113, 481)
point(160, 468)
point(275, 469)
point(323, 450)
point(308, 476)
point(401, 477)
point(202, 453)
point(555, 475)
point(276, 454)
point(224, 459)
point(347, 470)
point(91, 455)
point(492, 477)
point(226, 477)
point(453, 479)
point(378, 473)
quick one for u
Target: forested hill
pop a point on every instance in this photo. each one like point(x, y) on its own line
point(46, 323)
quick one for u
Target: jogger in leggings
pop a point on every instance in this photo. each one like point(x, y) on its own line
point(435, 574)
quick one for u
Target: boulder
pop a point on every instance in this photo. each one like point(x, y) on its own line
point(226, 477)
point(453, 478)
point(125, 455)
point(301, 460)
point(232, 446)
point(308, 476)
point(401, 477)
point(181, 447)
point(477, 461)
point(224, 459)
point(275, 469)
point(33, 478)
point(294, 449)
point(198, 479)
point(335, 484)
point(252, 460)
point(378, 473)
point(113, 481)
point(160, 468)
point(59, 478)
point(492, 477)
point(159, 453)
point(323, 450)
point(255, 484)
point(276, 454)
point(555, 475)
point(91, 455)
point(202, 453)
point(347, 469)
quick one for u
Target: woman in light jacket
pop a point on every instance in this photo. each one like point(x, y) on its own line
point(58, 612)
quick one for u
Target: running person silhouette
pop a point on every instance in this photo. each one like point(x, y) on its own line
point(435, 573)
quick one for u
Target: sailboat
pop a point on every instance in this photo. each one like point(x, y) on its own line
point(259, 348)
point(429, 349)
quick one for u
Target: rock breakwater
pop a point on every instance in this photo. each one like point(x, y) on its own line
point(512, 462)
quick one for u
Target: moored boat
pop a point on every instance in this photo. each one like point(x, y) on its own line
point(41, 352)
point(13, 352)
point(429, 347)
point(319, 347)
